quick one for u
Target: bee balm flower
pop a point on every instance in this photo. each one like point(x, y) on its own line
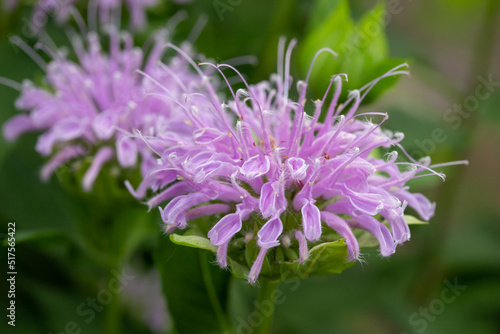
point(275, 173)
point(99, 104)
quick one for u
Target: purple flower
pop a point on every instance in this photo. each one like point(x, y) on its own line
point(269, 162)
point(105, 104)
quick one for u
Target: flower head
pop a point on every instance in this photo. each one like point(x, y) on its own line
point(105, 103)
point(275, 174)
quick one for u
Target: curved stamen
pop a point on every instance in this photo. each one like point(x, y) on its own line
point(333, 103)
point(174, 21)
point(139, 134)
point(29, 51)
point(366, 134)
point(451, 163)
point(406, 153)
point(441, 175)
point(185, 56)
point(393, 72)
point(355, 105)
point(186, 110)
point(320, 51)
point(317, 112)
point(296, 132)
point(288, 56)
point(408, 177)
point(116, 15)
point(242, 60)
point(366, 88)
point(79, 20)
point(173, 75)
point(92, 15)
point(267, 143)
point(207, 85)
point(10, 83)
point(343, 122)
point(281, 53)
point(47, 39)
point(42, 47)
point(198, 28)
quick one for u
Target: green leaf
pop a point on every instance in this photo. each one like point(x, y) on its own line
point(330, 32)
point(193, 241)
point(131, 226)
point(196, 289)
point(378, 70)
point(324, 259)
point(369, 37)
point(411, 220)
point(36, 207)
point(238, 270)
point(362, 48)
point(366, 239)
point(322, 10)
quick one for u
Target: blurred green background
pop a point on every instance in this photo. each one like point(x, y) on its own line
point(453, 48)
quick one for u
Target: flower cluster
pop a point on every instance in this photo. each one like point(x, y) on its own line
point(262, 161)
point(102, 102)
point(273, 173)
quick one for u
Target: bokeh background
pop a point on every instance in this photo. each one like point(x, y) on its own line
point(66, 254)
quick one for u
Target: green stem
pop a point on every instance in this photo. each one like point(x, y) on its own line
point(212, 294)
point(265, 305)
point(113, 315)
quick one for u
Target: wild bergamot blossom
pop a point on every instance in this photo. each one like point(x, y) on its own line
point(263, 161)
point(100, 103)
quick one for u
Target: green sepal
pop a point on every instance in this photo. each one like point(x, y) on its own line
point(412, 220)
point(193, 241)
point(324, 259)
